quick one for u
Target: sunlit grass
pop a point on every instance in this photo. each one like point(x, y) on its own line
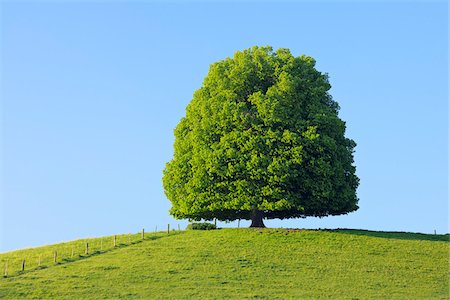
point(245, 263)
point(43, 257)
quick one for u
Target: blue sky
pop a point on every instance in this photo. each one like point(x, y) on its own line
point(91, 92)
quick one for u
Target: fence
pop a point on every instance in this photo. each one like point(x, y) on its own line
point(20, 261)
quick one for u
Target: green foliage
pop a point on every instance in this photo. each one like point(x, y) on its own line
point(247, 263)
point(261, 133)
point(201, 226)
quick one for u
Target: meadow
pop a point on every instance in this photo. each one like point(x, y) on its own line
point(236, 263)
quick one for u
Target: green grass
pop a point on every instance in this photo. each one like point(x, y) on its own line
point(241, 263)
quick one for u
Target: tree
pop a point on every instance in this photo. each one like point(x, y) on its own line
point(261, 139)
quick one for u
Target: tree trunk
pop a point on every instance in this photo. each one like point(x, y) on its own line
point(257, 219)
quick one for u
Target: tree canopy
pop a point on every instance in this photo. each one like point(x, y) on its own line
point(261, 139)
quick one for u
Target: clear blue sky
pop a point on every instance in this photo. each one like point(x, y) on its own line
point(91, 92)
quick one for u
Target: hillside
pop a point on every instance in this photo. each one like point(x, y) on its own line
point(236, 263)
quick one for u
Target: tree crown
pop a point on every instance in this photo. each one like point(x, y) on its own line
point(262, 133)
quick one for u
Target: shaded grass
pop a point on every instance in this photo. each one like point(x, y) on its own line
point(397, 235)
point(249, 263)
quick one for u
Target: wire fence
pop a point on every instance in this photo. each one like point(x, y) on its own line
point(21, 261)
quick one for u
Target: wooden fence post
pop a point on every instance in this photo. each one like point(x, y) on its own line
point(115, 241)
point(55, 254)
point(87, 248)
point(168, 228)
point(23, 265)
point(178, 227)
point(143, 233)
point(239, 221)
point(39, 261)
point(215, 222)
point(6, 269)
point(435, 232)
point(71, 256)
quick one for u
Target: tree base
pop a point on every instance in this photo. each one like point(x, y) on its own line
point(257, 219)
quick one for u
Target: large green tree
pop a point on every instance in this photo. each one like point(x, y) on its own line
point(261, 139)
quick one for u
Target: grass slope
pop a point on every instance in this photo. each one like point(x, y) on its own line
point(242, 263)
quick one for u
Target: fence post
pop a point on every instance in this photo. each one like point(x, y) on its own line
point(129, 238)
point(6, 269)
point(71, 256)
point(55, 254)
point(239, 221)
point(39, 261)
point(87, 248)
point(115, 241)
point(178, 227)
point(168, 228)
point(435, 232)
point(215, 222)
point(23, 265)
point(143, 237)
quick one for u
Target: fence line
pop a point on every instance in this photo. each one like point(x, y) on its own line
point(34, 259)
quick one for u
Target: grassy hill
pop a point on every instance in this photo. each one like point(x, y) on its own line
point(236, 263)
